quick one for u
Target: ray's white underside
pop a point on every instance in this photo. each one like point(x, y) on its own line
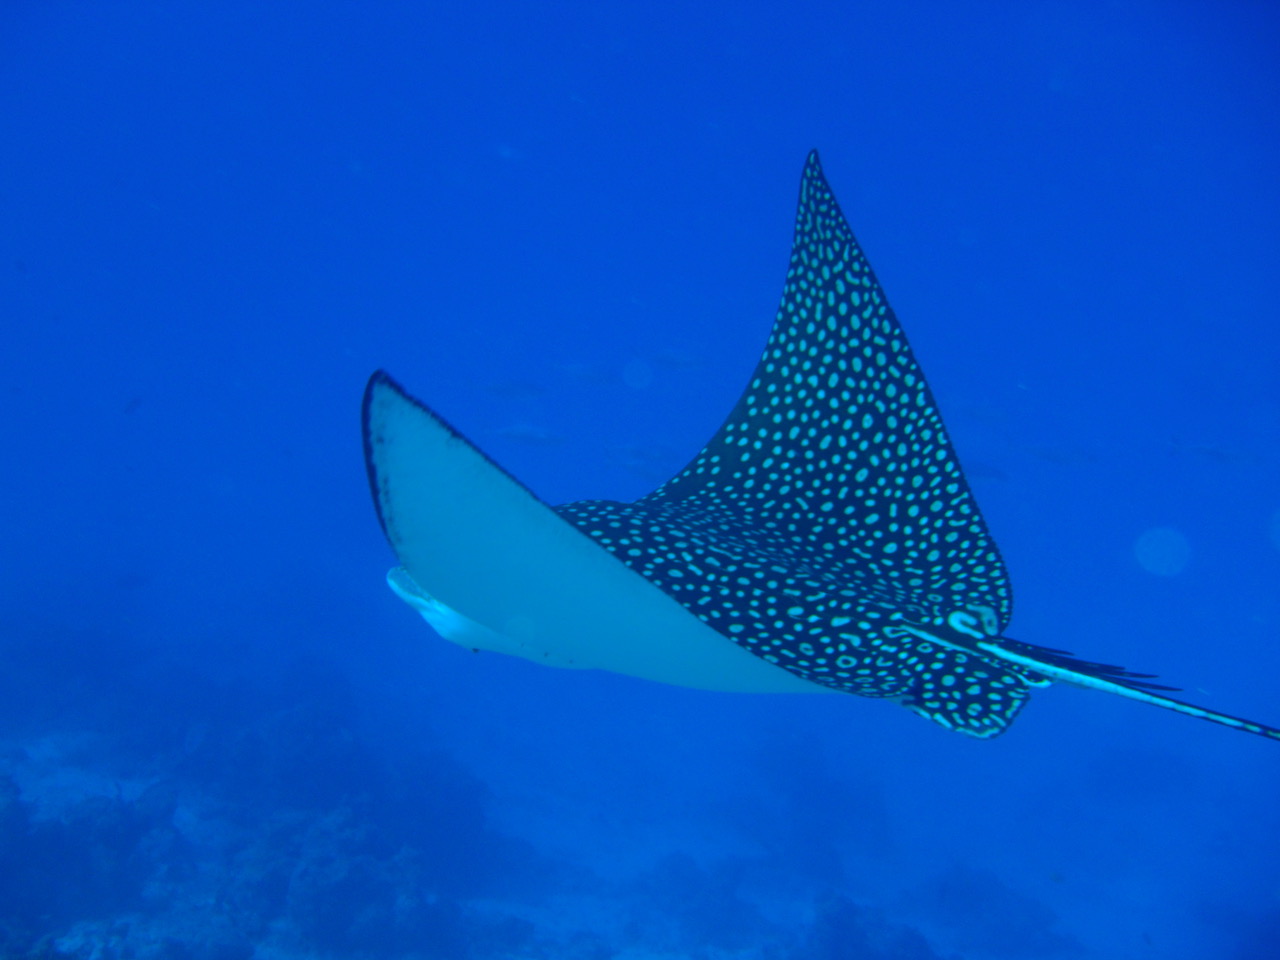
point(509, 575)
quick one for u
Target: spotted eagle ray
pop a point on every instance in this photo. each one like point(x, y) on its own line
point(825, 539)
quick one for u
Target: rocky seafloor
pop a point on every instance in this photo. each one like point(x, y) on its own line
point(149, 809)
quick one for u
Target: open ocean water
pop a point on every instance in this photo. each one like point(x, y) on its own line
point(566, 227)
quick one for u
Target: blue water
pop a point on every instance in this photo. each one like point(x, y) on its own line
point(566, 226)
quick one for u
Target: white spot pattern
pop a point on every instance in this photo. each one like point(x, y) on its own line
point(830, 506)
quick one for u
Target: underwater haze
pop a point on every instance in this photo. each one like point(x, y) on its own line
point(566, 227)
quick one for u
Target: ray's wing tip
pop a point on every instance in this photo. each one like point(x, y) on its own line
point(378, 379)
point(815, 191)
point(379, 383)
point(379, 388)
point(813, 166)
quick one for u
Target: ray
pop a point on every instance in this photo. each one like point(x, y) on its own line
point(824, 540)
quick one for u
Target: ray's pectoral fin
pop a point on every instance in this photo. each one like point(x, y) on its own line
point(492, 567)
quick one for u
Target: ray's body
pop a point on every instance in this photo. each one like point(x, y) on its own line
point(827, 529)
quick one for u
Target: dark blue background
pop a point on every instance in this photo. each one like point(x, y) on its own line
point(565, 226)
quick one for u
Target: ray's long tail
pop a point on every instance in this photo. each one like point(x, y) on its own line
point(1062, 666)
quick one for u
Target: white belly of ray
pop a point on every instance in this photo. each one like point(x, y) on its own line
point(491, 567)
